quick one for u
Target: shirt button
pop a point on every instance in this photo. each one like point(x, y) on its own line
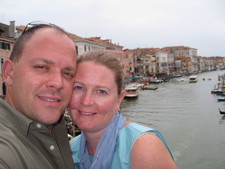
point(52, 147)
point(38, 125)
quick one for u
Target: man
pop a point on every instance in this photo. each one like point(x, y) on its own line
point(39, 80)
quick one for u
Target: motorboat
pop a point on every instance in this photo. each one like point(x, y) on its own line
point(221, 112)
point(221, 99)
point(193, 79)
point(131, 91)
point(149, 87)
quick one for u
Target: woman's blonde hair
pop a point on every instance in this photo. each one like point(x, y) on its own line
point(108, 60)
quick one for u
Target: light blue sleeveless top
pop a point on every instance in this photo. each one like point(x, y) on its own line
point(125, 140)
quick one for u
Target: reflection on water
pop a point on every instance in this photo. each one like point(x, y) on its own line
point(188, 116)
point(222, 120)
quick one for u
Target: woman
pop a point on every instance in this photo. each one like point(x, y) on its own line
point(108, 141)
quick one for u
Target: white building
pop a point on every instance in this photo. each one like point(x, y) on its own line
point(162, 62)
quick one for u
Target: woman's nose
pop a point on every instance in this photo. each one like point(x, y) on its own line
point(88, 99)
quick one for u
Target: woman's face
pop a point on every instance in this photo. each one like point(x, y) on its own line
point(95, 98)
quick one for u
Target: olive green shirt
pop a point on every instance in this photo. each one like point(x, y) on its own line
point(26, 144)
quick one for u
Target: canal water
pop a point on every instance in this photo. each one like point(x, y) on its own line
point(188, 117)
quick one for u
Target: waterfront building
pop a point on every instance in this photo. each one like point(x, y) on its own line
point(162, 62)
point(146, 63)
point(110, 47)
point(209, 64)
point(145, 60)
point(219, 62)
point(201, 64)
point(128, 63)
point(84, 45)
point(183, 56)
point(8, 35)
point(171, 63)
point(138, 65)
point(152, 66)
point(170, 60)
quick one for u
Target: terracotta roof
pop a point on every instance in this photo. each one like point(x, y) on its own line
point(168, 48)
point(21, 28)
point(95, 39)
point(103, 41)
point(75, 37)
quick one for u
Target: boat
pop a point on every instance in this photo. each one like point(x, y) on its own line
point(131, 91)
point(149, 87)
point(193, 79)
point(155, 80)
point(221, 112)
point(219, 88)
point(217, 91)
point(221, 99)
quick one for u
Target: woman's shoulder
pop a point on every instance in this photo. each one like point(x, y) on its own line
point(136, 128)
point(148, 150)
point(130, 132)
point(133, 131)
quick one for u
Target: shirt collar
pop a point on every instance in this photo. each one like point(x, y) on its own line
point(16, 119)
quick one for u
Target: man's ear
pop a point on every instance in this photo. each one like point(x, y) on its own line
point(7, 71)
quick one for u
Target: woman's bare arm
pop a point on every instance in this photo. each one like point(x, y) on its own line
point(149, 152)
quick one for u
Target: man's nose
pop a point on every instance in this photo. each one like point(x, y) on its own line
point(55, 80)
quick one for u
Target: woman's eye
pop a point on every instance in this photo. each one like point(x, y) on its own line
point(78, 88)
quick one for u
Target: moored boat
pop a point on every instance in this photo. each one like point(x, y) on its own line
point(149, 87)
point(131, 91)
point(221, 99)
point(221, 112)
point(155, 80)
point(217, 91)
point(219, 88)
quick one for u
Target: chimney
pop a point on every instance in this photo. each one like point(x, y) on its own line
point(12, 29)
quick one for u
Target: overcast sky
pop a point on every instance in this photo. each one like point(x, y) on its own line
point(132, 24)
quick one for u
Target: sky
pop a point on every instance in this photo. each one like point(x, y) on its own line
point(198, 24)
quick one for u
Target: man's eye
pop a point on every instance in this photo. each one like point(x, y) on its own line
point(40, 67)
point(69, 75)
point(102, 91)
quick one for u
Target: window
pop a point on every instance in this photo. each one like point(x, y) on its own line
point(76, 49)
point(2, 60)
point(4, 45)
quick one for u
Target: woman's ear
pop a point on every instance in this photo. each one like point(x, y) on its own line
point(7, 71)
point(120, 99)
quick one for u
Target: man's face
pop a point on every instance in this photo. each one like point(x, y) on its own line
point(42, 80)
